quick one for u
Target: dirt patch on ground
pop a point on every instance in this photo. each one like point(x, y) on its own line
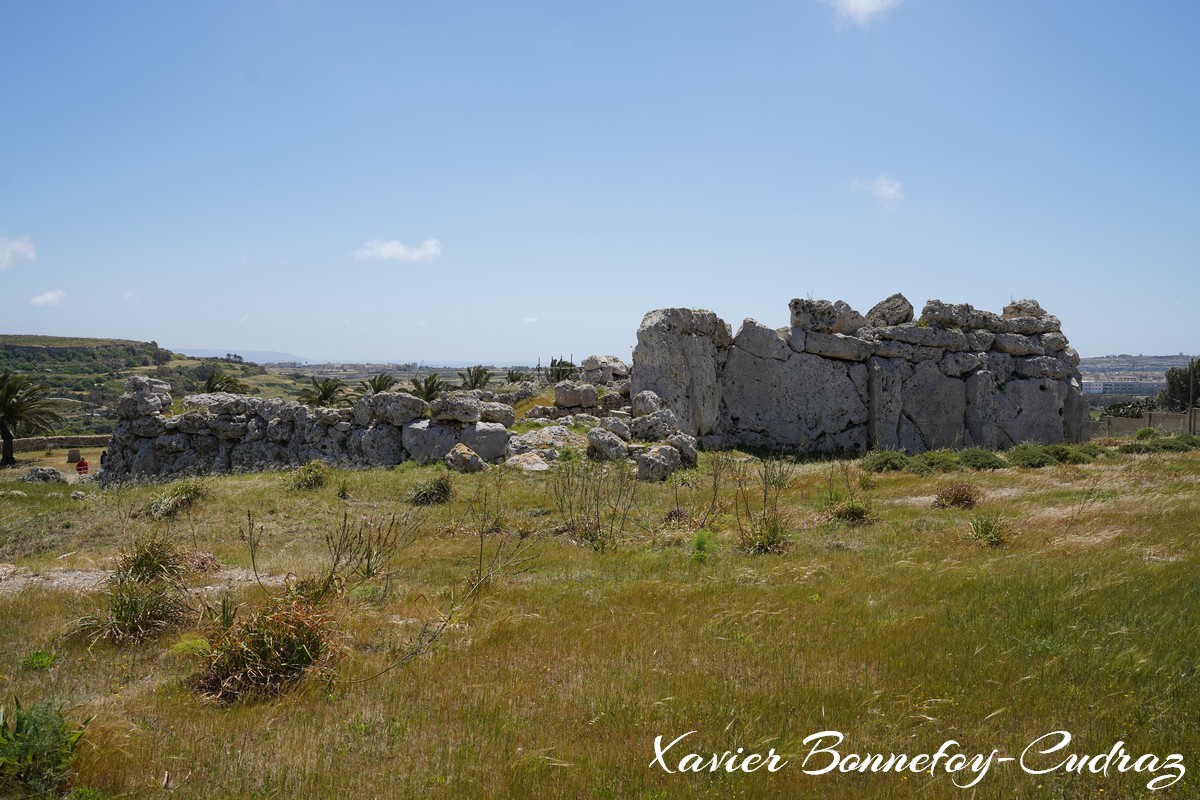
point(14, 579)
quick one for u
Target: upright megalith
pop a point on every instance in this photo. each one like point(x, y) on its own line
point(838, 380)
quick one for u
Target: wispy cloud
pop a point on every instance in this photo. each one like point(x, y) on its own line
point(860, 12)
point(396, 250)
point(528, 320)
point(49, 299)
point(885, 189)
point(244, 318)
point(131, 297)
point(11, 250)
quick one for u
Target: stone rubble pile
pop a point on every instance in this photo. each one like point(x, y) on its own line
point(838, 380)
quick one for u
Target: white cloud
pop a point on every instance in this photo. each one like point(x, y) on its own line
point(13, 249)
point(885, 189)
point(860, 12)
point(131, 297)
point(528, 320)
point(396, 250)
point(48, 299)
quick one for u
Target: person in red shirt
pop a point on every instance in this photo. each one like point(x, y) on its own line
point(81, 466)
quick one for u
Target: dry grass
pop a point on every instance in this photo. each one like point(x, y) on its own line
point(901, 633)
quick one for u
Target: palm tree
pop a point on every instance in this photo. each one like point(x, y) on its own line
point(476, 377)
point(218, 381)
point(324, 393)
point(429, 387)
point(518, 376)
point(25, 408)
point(377, 383)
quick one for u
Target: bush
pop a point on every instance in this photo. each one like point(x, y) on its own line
point(133, 612)
point(268, 653)
point(1034, 456)
point(941, 460)
point(1069, 454)
point(36, 750)
point(152, 558)
point(978, 459)
point(956, 495)
point(883, 461)
point(38, 659)
point(704, 545)
point(312, 475)
point(989, 529)
point(1146, 433)
point(432, 492)
point(851, 510)
point(179, 496)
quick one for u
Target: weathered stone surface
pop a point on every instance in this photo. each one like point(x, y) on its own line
point(427, 441)
point(935, 405)
point(836, 345)
point(958, 363)
point(569, 394)
point(810, 315)
point(886, 381)
point(1077, 422)
point(916, 334)
point(799, 403)
point(497, 412)
point(603, 369)
point(759, 340)
point(1016, 344)
point(848, 320)
point(488, 439)
point(617, 426)
point(382, 444)
point(395, 408)
point(686, 445)
point(657, 463)
point(1053, 342)
point(550, 438)
point(455, 407)
point(677, 355)
point(605, 446)
point(1028, 410)
point(1040, 367)
point(654, 427)
point(895, 310)
point(1024, 308)
point(43, 475)
point(529, 462)
point(463, 459)
point(646, 402)
point(947, 315)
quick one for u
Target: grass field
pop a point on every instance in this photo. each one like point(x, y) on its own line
point(901, 632)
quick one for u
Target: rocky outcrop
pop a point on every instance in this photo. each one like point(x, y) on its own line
point(836, 380)
point(223, 432)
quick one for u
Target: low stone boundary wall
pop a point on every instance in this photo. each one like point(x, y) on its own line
point(33, 443)
point(1164, 421)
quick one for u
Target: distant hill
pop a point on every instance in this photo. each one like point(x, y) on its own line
point(257, 356)
point(1129, 365)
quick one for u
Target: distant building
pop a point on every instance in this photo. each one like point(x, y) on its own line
point(1135, 386)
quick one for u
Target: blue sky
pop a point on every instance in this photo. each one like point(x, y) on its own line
point(502, 181)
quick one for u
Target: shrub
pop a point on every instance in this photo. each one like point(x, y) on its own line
point(177, 497)
point(941, 460)
point(151, 558)
point(1034, 456)
point(989, 529)
point(37, 747)
point(704, 545)
point(268, 653)
point(38, 659)
point(312, 475)
point(978, 459)
point(1146, 433)
point(851, 510)
point(956, 495)
point(133, 612)
point(432, 492)
point(1069, 454)
point(883, 461)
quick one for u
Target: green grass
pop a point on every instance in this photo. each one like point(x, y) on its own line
point(901, 632)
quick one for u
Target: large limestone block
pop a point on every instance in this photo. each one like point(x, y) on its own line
point(1077, 422)
point(396, 408)
point(923, 336)
point(837, 345)
point(886, 379)
point(982, 415)
point(382, 444)
point(759, 340)
point(455, 407)
point(894, 310)
point(935, 404)
point(427, 441)
point(801, 402)
point(1032, 410)
point(487, 439)
point(677, 357)
point(605, 446)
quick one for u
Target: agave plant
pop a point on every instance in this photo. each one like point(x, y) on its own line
point(476, 377)
point(324, 393)
point(429, 387)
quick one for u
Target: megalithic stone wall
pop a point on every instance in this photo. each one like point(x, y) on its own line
point(836, 380)
point(222, 432)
